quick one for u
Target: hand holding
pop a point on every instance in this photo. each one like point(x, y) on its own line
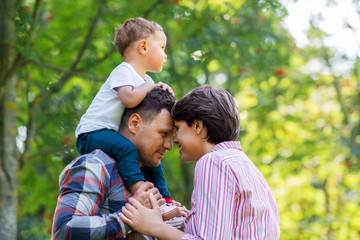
point(143, 192)
point(141, 218)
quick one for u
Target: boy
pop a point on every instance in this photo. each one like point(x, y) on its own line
point(141, 44)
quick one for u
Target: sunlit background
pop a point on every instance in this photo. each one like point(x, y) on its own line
point(338, 19)
point(292, 66)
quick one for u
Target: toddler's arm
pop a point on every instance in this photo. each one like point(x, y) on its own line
point(130, 97)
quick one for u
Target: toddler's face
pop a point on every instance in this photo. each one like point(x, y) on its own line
point(156, 52)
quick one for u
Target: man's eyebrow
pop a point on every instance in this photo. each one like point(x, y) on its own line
point(167, 130)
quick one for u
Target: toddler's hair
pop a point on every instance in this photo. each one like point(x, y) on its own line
point(133, 30)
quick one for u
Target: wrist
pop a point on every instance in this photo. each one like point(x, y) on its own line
point(160, 231)
point(150, 84)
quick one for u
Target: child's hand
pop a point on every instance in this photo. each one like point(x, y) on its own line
point(165, 87)
point(175, 203)
point(183, 211)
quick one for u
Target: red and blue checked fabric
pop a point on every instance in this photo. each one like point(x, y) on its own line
point(91, 196)
point(231, 199)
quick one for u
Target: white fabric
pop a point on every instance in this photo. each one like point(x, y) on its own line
point(106, 108)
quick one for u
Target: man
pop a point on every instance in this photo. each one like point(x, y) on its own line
point(91, 190)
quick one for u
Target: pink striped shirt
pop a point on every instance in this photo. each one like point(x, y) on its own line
point(231, 199)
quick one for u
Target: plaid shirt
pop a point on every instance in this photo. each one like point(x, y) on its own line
point(91, 196)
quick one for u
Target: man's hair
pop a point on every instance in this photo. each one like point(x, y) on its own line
point(150, 107)
point(215, 107)
point(133, 30)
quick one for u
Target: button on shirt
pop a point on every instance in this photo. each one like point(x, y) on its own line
point(91, 196)
point(231, 199)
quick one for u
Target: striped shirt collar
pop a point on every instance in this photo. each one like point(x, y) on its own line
point(226, 145)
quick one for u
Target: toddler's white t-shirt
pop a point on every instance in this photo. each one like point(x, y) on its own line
point(106, 109)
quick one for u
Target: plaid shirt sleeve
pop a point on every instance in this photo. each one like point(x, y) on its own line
point(84, 190)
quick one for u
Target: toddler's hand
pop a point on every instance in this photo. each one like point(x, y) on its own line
point(183, 211)
point(176, 203)
point(165, 87)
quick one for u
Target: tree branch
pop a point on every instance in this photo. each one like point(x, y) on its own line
point(106, 56)
point(15, 67)
point(51, 150)
point(35, 14)
point(71, 72)
point(337, 88)
point(80, 54)
point(152, 8)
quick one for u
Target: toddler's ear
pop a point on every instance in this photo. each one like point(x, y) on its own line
point(142, 47)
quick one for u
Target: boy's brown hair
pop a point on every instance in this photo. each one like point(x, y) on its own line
point(133, 30)
point(215, 107)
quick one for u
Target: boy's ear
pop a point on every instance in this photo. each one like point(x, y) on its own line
point(134, 123)
point(142, 47)
point(198, 126)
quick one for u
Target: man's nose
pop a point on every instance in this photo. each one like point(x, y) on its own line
point(176, 140)
point(168, 143)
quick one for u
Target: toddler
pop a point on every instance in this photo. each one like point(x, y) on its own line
point(141, 43)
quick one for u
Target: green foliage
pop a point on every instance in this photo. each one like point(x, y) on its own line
point(297, 129)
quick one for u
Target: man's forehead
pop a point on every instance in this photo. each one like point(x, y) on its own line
point(164, 118)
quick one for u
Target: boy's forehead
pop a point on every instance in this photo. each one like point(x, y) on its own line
point(159, 35)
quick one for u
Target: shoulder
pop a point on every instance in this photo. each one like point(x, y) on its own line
point(220, 156)
point(225, 158)
point(124, 69)
point(97, 157)
point(95, 165)
point(210, 163)
point(148, 79)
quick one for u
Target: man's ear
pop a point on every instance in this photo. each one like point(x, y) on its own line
point(134, 123)
point(198, 126)
point(142, 47)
